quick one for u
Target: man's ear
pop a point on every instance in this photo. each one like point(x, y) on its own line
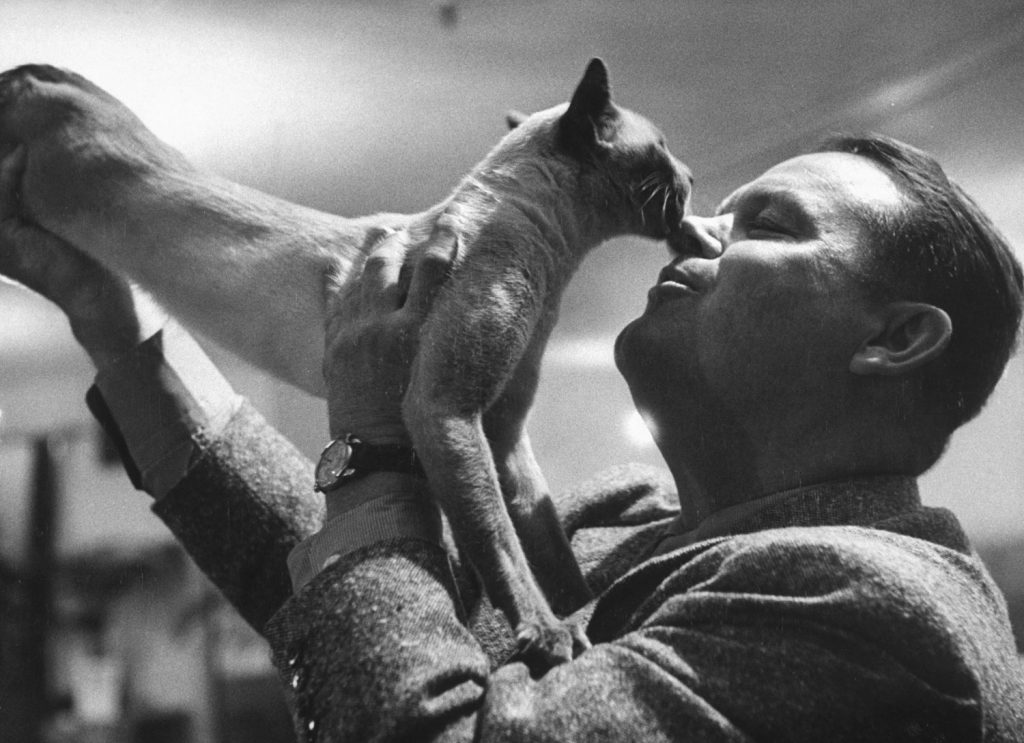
point(912, 334)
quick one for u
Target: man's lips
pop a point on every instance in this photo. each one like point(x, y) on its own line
point(675, 274)
point(672, 283)
point(671, 274)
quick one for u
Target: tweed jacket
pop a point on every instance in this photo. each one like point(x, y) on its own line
point(847, 612)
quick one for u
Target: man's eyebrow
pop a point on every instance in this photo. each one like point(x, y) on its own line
point(780, 198)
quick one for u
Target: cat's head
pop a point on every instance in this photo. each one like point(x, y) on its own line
point(617, 160)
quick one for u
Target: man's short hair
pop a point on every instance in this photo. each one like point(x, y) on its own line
point(941, 249)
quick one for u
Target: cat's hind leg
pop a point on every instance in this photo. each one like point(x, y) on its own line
point(464, 481)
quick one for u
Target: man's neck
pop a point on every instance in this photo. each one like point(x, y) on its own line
point(710, 478)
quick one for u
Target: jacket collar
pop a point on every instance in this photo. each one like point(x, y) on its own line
point(855, 502)
point(892, 503)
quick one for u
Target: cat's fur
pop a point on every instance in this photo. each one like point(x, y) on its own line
point(248, 270)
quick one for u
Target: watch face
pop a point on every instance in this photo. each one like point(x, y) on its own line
point(333, 463)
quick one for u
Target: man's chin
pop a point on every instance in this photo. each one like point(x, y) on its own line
point(620, 341)
point(629, 346)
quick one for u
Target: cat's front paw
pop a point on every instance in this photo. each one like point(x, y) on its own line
point(85, 150)
point(543, 643)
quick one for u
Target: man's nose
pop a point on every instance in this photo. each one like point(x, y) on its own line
point(702, 236)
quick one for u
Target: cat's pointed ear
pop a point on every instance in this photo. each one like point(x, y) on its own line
point(515, 118)
point(591, 116)
point(593, 94)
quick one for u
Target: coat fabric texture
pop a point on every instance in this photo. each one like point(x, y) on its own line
point(847, 612)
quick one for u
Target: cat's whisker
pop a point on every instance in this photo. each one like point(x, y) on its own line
point(649, 180)
point(657, 189)
point(642, 187)
point(649, 199)
point(648, 183)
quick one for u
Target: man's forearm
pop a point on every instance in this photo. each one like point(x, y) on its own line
point(165, 399)
point(356, 648)
point(697, 645)
point(232, 490)
point(374, 649)
point(379, 506)
point(245, 503)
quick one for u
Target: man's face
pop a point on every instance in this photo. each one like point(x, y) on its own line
point(762, 310)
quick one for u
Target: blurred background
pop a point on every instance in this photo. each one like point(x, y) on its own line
point(106, 631)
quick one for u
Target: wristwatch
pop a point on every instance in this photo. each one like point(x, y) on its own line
point(346, 458)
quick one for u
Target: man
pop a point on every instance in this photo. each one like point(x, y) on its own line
point(802, 360)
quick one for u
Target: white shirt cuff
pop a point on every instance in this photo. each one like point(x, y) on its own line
point(163, 395)
point(402, 508)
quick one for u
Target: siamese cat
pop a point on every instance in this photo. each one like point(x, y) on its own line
point(252, 271)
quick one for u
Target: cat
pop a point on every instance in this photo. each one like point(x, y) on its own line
point(250, 271)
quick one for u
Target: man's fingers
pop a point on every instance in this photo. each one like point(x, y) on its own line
point(385, 284)
point(380, 281)
point(26, 256)
point(23, 255)
point(336, 294)
point(11, 168)
point(432, 270)
point(29, 254)
point(45, 264)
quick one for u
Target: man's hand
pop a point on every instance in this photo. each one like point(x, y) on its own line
point(108, 316)
point(372, 335)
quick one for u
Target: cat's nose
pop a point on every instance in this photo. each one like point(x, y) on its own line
point(684, 185)
point(684, 193)
point(686, 178)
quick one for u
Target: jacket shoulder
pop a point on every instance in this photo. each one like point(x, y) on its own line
point(932, 608)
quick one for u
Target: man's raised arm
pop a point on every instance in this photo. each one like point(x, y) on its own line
point(235, 492)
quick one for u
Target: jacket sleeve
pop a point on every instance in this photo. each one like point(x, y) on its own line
point(374, 650)
point(236, 494)
point(246, 501)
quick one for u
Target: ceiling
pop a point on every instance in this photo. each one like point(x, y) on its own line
point(358, 107)
point(354, 107)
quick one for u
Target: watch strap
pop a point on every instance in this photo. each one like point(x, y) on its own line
point(347, 457)
point(383, 458)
